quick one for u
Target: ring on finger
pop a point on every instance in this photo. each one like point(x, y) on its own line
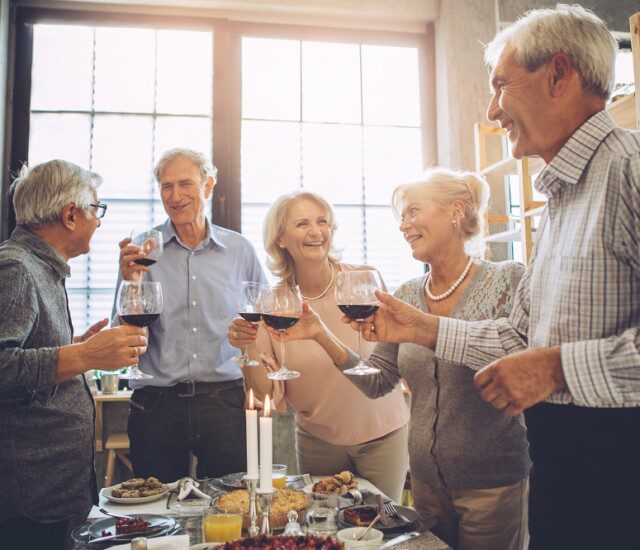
point(235, 335)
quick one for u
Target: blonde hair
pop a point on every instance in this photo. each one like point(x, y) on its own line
point(279, 261)
point(444, 186)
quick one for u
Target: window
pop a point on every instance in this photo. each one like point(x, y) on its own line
point(277, 108)
point(112, 100)
point(341, 120)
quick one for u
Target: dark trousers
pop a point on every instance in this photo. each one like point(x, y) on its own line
point(22, 533)
point(163, 427)
point(585, 482)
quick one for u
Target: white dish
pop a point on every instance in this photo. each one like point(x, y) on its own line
point(106, 493)
point(373, 538)
point(205, 546)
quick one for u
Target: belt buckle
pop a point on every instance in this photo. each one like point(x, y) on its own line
point(192, 389)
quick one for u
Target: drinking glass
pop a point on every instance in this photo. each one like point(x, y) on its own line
point(139, 303)
point(249, 306)
point(322, 516)
point(281, 309)
point(150, 242)
point(279, 476)
point(356, 297)
point(222, 524)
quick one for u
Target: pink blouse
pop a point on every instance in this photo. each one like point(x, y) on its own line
point(325, 402)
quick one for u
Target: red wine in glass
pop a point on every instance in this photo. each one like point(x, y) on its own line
point(250, 316)
point(356, 295)
point(358, 312)
point(140, 320)
point(145, 261)
point(279, 322)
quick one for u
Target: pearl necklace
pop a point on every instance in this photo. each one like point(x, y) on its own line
point(310, 299)
point(453, 287)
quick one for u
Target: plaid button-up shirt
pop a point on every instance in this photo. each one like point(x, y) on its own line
point(581, 290)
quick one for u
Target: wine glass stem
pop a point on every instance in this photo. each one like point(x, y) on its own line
point(360, 341)
point(283, 366)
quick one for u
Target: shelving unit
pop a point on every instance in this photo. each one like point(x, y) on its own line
point(625, 111)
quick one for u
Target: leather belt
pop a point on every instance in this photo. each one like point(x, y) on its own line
point(190, 388)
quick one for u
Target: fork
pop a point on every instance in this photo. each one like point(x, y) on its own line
point(391, 511)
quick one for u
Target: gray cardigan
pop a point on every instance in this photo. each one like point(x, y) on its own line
point(456, 440)
point(46, 429)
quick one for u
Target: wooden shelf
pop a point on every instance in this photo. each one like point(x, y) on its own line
point(623, 112)
point(509, 167)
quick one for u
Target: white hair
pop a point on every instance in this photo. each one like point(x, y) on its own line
point(205, 168)
point(42, 191)
point(444, 186)
point(573, 30)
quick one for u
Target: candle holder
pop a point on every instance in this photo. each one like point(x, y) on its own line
point(252, 486)
point(266, 501)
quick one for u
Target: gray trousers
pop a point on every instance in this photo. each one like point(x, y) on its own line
point(383, 461)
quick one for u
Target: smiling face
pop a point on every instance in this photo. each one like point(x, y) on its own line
point(307, 232)
point(428, 227)
point(520, 104)
point(184, 194)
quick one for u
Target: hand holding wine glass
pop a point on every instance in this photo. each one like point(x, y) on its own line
point(309, 327)
point(356, 297)
point(139, 304)
point(138, 254)
point(281, 309)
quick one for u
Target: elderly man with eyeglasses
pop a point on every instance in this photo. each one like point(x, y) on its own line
point(46, 410)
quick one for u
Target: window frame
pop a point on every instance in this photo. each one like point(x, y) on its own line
point(227, 85)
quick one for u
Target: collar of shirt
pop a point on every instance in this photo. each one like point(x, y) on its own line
point(212, 238)
point(572, 160)
point(41, 249)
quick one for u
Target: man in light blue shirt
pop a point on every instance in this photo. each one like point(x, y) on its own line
point(195, 400)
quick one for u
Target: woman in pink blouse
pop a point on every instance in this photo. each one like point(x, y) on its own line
point(337, 426)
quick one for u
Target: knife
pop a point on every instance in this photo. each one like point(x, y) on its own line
point(151, 531)
point(400, 539)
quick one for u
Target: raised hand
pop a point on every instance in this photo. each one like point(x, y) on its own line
point(130, 270)
point(242, 333)
point(115, 348)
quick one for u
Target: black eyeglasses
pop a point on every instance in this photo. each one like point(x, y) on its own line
point(101, 209)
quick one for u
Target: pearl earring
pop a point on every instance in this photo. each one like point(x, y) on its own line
point(454, 223)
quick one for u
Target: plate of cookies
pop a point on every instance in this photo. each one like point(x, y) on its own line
point(339, 484)
point(135, 491)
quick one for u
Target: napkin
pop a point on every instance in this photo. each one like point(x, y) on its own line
point(175, 542)
point(187, 487)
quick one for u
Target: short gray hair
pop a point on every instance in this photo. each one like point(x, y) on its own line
point(205, 168)
point(42, 191)
point(572, 30)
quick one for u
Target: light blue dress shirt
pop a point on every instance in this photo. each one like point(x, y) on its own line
point(200, 287)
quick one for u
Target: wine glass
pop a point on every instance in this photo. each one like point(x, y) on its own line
point(281, 309)
point(151, 243)
point(249, 305)
point(139, 304)
point(356, 297)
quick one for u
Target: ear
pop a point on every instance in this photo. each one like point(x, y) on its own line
point(68, 217)
point(459, 208)
point(560, 71)
point(209, 184)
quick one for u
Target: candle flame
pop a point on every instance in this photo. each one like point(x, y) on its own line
point(251, 399)
point(267, 406)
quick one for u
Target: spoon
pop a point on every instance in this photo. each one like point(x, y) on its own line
point(375, 520)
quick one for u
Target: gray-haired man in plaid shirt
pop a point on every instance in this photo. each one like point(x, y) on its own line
point(569, 353)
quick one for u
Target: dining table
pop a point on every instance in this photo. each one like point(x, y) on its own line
point(192, 523)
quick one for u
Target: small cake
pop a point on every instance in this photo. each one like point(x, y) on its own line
point(340, 483)
point(133, 525)
point(361, 516)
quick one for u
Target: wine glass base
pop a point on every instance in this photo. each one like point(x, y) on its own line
point(135, 376)
point(361, 370)
point(283, 375)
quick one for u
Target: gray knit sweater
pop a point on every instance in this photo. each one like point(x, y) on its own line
point(456, 440)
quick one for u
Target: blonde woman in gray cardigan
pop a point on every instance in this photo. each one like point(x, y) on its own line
point(469, 461)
